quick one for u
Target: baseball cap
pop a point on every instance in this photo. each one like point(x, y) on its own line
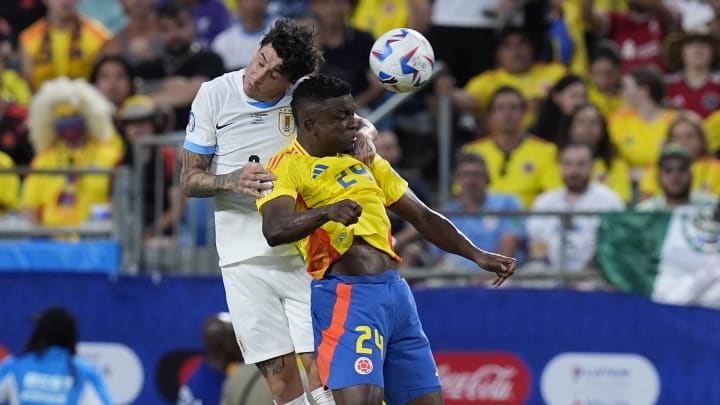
point(138, 107)
point(677, 151)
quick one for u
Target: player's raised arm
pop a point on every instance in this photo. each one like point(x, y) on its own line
point(440, 231)
point(282, 225)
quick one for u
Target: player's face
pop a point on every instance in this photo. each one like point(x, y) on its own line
point(577, 165)
point(472, 178)
point(177, 34)
point(586, 126)
point(252, 9)
point(113, 82)
point(605, 75)
point(62, 8)
point(335, 125)
point(262, 80)
point(686, 135)
point(675, 178)
point(571, 97)
point(515, 54)
point(632, 93)
point(506, 113)
point(330, 13)
point(697, 54)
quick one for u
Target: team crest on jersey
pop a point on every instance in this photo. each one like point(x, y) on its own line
point(191, 122)
point(363, 365)
point(710, 101)
point(286, 123)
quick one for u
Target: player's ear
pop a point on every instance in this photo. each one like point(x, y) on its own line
point(308, 124)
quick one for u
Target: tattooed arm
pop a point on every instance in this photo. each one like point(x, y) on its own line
point(197, 181)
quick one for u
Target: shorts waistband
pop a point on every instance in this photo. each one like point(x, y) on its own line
point(384, 277)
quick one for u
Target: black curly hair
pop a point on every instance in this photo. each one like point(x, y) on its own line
point(294, 44)
point(316, 89)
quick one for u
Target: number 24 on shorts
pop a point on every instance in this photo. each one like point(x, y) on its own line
point(366, 334)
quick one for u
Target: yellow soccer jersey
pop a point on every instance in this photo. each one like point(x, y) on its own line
point(534, 84)
point(705, 173)
point(527, 171)
point(319, 181)
point(639, 142)
point(617, 177)
point(66, 200)
point(712, 131)
point(14, 88)
point(65, 56)
point(606, 103)
point(380, 16)
point(9, 185)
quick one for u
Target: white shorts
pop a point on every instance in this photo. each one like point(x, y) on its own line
point(270, 309)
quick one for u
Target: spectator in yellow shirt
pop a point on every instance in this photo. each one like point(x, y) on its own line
point(605, 79)
point(516, 67)
point(687, 130)
point(379, 16)
point(13, 87)
point(64, 43)
point(71, 128)
point(639, 130)
point(518, 163)
point(587, 125)
point(9, 185)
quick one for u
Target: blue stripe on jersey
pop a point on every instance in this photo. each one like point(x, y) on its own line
point(202, 150)
point(264, 104)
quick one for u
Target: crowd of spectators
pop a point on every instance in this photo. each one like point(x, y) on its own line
point(559, 105)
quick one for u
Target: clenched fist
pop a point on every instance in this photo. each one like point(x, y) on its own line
point(346, 212)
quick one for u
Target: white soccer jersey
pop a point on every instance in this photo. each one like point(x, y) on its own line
point(227, 123)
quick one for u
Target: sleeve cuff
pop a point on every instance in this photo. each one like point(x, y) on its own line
point(202, 150)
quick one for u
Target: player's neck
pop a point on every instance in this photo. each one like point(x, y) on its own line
point(696, 76)
point(508, 141)
point(648, 111)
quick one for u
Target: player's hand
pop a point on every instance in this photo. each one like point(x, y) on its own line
point(365, 141)
point(346, 212)
point(252, 180)
point(502, 266)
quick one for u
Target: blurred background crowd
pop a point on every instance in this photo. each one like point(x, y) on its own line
point(558, 106)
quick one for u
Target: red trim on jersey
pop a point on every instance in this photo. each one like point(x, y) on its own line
point(331, 336)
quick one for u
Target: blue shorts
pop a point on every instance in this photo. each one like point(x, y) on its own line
point(367, 331)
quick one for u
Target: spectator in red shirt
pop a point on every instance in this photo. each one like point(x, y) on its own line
point(695, 54)
point(638, 32)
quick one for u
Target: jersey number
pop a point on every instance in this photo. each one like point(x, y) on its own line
point(346, 179)
point(366, 334)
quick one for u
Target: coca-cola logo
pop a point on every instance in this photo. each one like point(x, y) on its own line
point(475, 378)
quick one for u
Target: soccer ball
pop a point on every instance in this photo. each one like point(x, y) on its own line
point(402, 59)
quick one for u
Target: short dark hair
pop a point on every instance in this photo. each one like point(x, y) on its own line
point(127, 67)
point(507, 90)
point(56, 326)
point(649, 77)
point(606, 51)
point(577, 145)
point(467, 157)
point(316, 89)
point(172, 10)
point(294, 44)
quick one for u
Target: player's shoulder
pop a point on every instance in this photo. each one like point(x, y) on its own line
point(221, 84)
point(537, 144)
point(292, 154)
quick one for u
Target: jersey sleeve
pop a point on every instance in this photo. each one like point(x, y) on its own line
point(391, 183)
point(200, 135)
point(288, 182)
